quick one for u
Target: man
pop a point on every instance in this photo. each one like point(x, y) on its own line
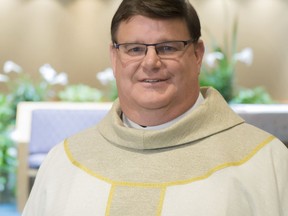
point(165, 148)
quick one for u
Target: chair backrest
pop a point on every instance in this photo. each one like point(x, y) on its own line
point(22, 131)
point(51, 126)
point(272, 118)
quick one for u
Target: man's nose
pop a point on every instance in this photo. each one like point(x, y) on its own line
point(151, 59)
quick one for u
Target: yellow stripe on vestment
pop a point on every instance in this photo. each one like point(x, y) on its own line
point(166, 184)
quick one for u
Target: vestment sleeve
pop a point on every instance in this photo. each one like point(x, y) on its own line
point(280, 163)
point(36, 204)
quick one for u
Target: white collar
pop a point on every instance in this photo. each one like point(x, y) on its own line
point(128, 123)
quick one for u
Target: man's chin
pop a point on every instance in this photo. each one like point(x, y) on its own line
point(153, 103)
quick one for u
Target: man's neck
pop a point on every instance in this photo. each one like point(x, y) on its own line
point(128, 123)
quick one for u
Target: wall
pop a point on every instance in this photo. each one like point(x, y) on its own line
point(263, 26)
point(73, 36)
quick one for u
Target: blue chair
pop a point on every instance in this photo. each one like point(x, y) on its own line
point(50, 127)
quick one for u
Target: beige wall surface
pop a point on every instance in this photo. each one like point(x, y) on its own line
point(263, 26)
point(74, 35)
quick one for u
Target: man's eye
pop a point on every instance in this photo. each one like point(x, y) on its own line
point(166, 49)
point(135, 50)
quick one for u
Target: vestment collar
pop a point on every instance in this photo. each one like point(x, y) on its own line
point(212, 116)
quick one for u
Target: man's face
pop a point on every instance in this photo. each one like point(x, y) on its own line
point(151, 82)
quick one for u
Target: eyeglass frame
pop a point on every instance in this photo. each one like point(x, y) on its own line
point(185, 42)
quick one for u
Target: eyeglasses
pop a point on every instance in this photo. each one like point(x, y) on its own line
point(137, 51)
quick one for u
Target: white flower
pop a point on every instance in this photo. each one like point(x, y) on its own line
point(15, 135)
point(48, 73)
point(10, 66)
point(12, 152)
point(61, 79)
point(210, 58)
point(3, 78)
point(245, 56)
point(51, 76)
point(105, 76)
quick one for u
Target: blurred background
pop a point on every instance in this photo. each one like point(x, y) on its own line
point(73, 37)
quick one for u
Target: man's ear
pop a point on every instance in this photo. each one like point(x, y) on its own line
point(199, 52)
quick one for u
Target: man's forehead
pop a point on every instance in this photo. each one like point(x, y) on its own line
point(139, 23)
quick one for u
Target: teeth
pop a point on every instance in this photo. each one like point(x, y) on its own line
point(152, 81)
